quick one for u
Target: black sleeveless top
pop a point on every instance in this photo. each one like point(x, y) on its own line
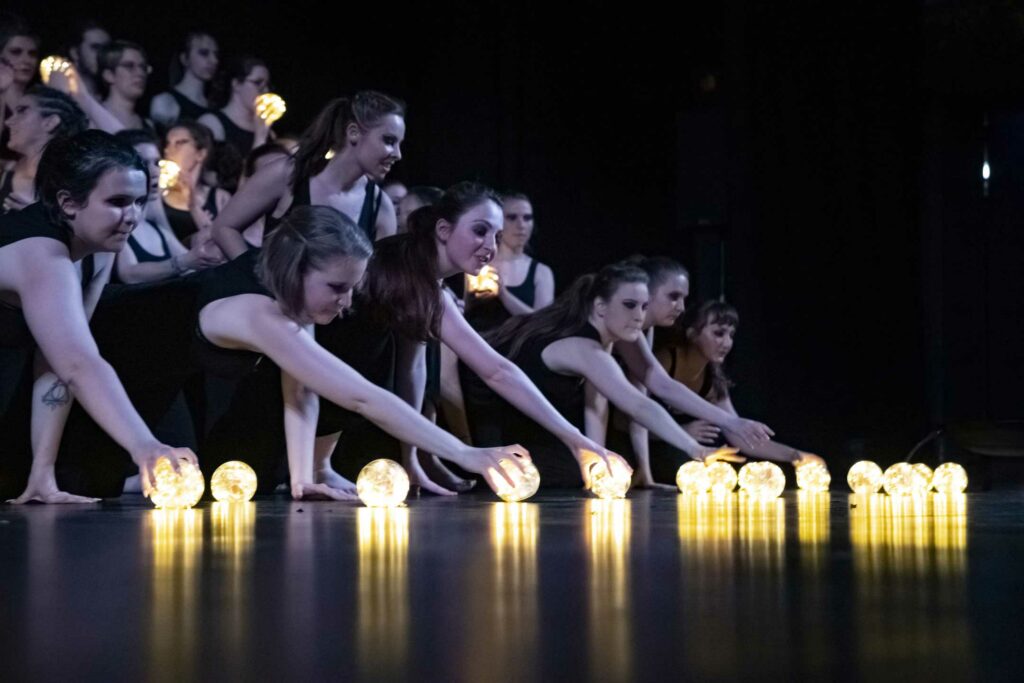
point(487, 314)
point(239, 138)
point(182, 224)
point(6, 187)
point(301, 197)
point(231, 279)
point(143, 256)
point(15, 226)
point(187, 109)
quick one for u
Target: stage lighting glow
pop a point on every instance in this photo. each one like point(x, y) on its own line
point(762, 480)
point(865, 477)
point(986, 171)
point(692, 477)
point(484, 284)
point(176, 491)
point(950, 478)
point(902, 480)
point(270, 107)
point(721, 477)
point(923, 481)
point(169, 172)
point(813, 476)
point(527, 482)
point(53, 64)
point(382, 483)
point(609, 484)
point(233, 482)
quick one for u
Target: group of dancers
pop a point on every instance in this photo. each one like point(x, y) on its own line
point(284, 304)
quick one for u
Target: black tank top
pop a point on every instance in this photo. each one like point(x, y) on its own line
point(301, 197)
point(143, 256)
point(182, 224)
point(239, 138)
point(187, 109)
point(6, 187)
point(231, 279)
point(15, 226)
point(487, 314)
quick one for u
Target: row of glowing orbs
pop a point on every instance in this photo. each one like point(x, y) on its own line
point(232, 482)
point(763, 480)
point(904, 478)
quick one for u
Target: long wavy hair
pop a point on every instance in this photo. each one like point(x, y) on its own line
point(568, 313)
point(693, 322)
point(402, 286)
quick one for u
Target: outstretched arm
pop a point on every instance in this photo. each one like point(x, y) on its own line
point(260, 194)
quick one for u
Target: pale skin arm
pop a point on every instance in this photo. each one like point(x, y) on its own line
point(198, 257)
point(506, 379)
point(51, 296)
point(260, 194)
point(586, 358)
point(256, 323)
point(387, 220)
point(164, 109)
point(772, 450)
point(214, 124)
point(99, 117)
point(544, 293)
point(644, 366)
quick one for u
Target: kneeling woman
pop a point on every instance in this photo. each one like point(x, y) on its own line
point(55, 257)
point(566, 350)
point(267, 302)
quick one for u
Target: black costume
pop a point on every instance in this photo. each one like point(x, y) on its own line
point(487, 314)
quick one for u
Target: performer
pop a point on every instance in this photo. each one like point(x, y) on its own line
point(236, 122)
point(191, 205)
point(124, 71)
point(89, 38)
point(19, 64)
point(92, 191)
point(192, 68)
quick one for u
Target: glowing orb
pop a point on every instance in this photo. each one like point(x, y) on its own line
point(329, 155)
point(270, 107)
point(923, 482)
point(51, 65)
point(382, 483)
point(950, 478)
point(692, 477)
point(813, 476)
point(527, 482)
point(722, 477)
point(902, 479)
point(233, 482)
point(865, 477)
point(486, 283)
point(169, 172)
point(605, 484)
point(176, 491)
point(762, 480)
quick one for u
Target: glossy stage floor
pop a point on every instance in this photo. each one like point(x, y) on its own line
point(562, 588)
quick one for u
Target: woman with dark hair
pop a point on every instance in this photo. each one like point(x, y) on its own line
point(55, 257)
point(237, 88)
point(536, 282)
point(153, 252)
point(124, 71)
point(40, 116)
point(342, 157)
point(88, 39)
point(693, 353)
point(19, 63)
point(192, 68)
point(417, 197)
point(266, 303)
point(191, 205)
point(566, 350)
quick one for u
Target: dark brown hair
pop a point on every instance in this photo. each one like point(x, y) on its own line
point(327, 132)
point(305, 240)
point(568, 313)
point(712, 312)
point(402, 285)
point(658, 269)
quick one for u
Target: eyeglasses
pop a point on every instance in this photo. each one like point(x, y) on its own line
point(136, 66)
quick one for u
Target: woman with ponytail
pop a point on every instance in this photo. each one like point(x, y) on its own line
point(566, 350)
point(342, 158)
point(265, 303)
point(236, 90)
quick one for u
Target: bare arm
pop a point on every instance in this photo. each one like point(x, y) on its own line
point(387, 221)
point(644, 366)
point(164, 109)
point(771, 450)
point(544, 293)
point(260, 194)
point(214, 124)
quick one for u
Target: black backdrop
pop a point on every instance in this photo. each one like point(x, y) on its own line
point(831, 154)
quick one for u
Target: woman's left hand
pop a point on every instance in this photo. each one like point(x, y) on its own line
point(589, 453)
point(808, 458)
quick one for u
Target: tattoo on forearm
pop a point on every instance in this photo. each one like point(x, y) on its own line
point(57, 395)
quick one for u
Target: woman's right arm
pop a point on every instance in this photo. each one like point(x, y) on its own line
point(51, 299)
point(260, 194)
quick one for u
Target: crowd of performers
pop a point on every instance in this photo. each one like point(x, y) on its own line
point(283, 304)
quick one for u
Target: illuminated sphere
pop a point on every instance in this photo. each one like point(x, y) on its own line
point(52, 64)
point(762, 480)
point(233, 482)
point(382, 483)
point(813, 476)
point(270, 107)
point(923, 481)
point(692, 477)
point(950, 478)
point(865, 477)
point(528, 481)
point(174, 491)
point(902, 479)
point(721, 476)
point(607, 484)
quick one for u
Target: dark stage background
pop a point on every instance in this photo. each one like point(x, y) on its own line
point(820, 161)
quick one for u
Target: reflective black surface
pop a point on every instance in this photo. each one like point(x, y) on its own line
point(563, 587)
